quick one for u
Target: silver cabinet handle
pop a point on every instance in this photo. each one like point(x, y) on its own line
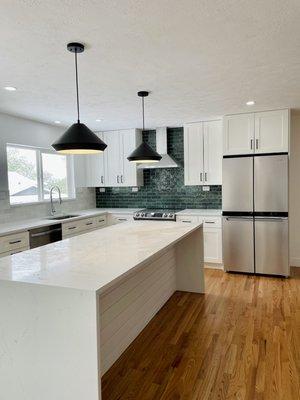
point(89, 223)
point(117, 178)
point(121, 178)
point(72, 227)
point(251, 144)
point(102, 179)
point(15, 241)
point(122, 219)
point(256, 144)
point(209, 222)
point(101, 220)
point(201, 176)
point(205, 176)
point(189, 222)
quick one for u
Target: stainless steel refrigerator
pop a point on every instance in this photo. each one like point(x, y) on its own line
point(255, 214)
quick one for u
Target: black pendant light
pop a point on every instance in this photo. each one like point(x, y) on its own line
point(78, 139)
point(144, 153)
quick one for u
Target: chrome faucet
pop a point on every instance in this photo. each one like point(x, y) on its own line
point(53, 210)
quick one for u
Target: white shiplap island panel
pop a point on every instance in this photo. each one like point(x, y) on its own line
point(69, 309)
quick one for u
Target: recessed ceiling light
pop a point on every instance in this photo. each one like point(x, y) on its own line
point(98, 120)
point(57, 122)
point(10, 88)
point(250, 103)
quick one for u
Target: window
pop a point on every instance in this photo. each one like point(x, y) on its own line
point(32, 172)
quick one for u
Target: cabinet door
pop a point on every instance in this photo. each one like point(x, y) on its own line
point(193, 154)
point(238, 134)
point(95, 172)
point(130, 139)
point(272, 131)
point(213, 245)
point(113, 160)
point(213, 152)
point(80, 170)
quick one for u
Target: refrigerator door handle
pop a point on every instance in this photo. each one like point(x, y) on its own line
point(237, 218)
point(251, 144)
point(271, 218)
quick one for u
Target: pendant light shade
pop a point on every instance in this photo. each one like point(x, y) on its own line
point(144, 153)
point(78, 139)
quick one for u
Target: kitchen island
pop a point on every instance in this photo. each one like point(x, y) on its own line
point(69, 309)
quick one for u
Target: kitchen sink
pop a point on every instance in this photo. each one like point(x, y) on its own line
point(62, 217)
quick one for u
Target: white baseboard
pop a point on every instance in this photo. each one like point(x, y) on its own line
point(214, 266)
point(295, 262)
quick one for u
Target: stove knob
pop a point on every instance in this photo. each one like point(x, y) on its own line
point(137, 214)
point(165, 215)
point(142, 215)
point(171, 215)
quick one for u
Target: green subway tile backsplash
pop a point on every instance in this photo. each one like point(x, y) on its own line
point(163, 188)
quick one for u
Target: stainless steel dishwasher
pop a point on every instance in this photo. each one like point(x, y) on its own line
point(44, 235)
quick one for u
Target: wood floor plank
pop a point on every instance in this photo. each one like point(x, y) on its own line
point(239, 341)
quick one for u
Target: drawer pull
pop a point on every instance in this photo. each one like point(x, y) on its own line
point(15, 241)
point(122, 219)
point(101, 220)
point(186, 221)
point(16, 252)
point(210, 222)
point(72, 227)
point(89, 223)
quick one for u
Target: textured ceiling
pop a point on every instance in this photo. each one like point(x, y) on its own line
point(199, 59)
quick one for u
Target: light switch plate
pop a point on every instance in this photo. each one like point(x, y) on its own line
point(206, 188)
point(135, 189)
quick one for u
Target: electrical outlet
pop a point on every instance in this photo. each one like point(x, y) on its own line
point(135, 189)
point(102, 190)
point(206, 188)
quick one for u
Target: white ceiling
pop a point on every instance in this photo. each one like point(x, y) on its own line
point(199, 58)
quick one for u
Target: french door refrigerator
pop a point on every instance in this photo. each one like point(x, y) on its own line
point(255, 214)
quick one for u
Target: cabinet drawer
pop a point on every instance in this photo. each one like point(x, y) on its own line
point(71, 228)
point(212, 222)
point(88, 223)
point(11, 252)
point(188, 219)
point(118, 218)
point(15, 241)
point(100, 220)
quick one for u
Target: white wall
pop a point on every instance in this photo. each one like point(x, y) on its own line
point(27, 132)
point(294, 189)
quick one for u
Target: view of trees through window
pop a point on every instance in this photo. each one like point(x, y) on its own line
point(32, 172)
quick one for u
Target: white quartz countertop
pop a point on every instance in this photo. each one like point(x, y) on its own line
point(201, 212)
point(24, 225)
point(94, 260)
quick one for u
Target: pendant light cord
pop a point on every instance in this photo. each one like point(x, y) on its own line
point(143, 107)
point(77, 90)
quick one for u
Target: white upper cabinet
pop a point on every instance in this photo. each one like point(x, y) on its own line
point(213, 150)
point(113, 158)
point(263, 132)
point(110, 168)
point(238, 134)
point(203, 153)
point(272, 131)
point(131, 175)
point(193, 154)
point(89, 169)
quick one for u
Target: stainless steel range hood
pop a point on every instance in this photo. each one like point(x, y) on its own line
point(161, 147)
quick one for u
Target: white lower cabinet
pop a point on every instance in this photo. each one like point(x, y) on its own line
point(114, 219)
point(212, 232)
point(14, 243)
point(73, 228)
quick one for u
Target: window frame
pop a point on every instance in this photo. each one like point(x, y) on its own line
point(39, 151)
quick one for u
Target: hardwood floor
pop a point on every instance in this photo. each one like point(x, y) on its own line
point(241, 340)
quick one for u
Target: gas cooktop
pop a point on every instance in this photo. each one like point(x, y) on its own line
point(158, 215)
